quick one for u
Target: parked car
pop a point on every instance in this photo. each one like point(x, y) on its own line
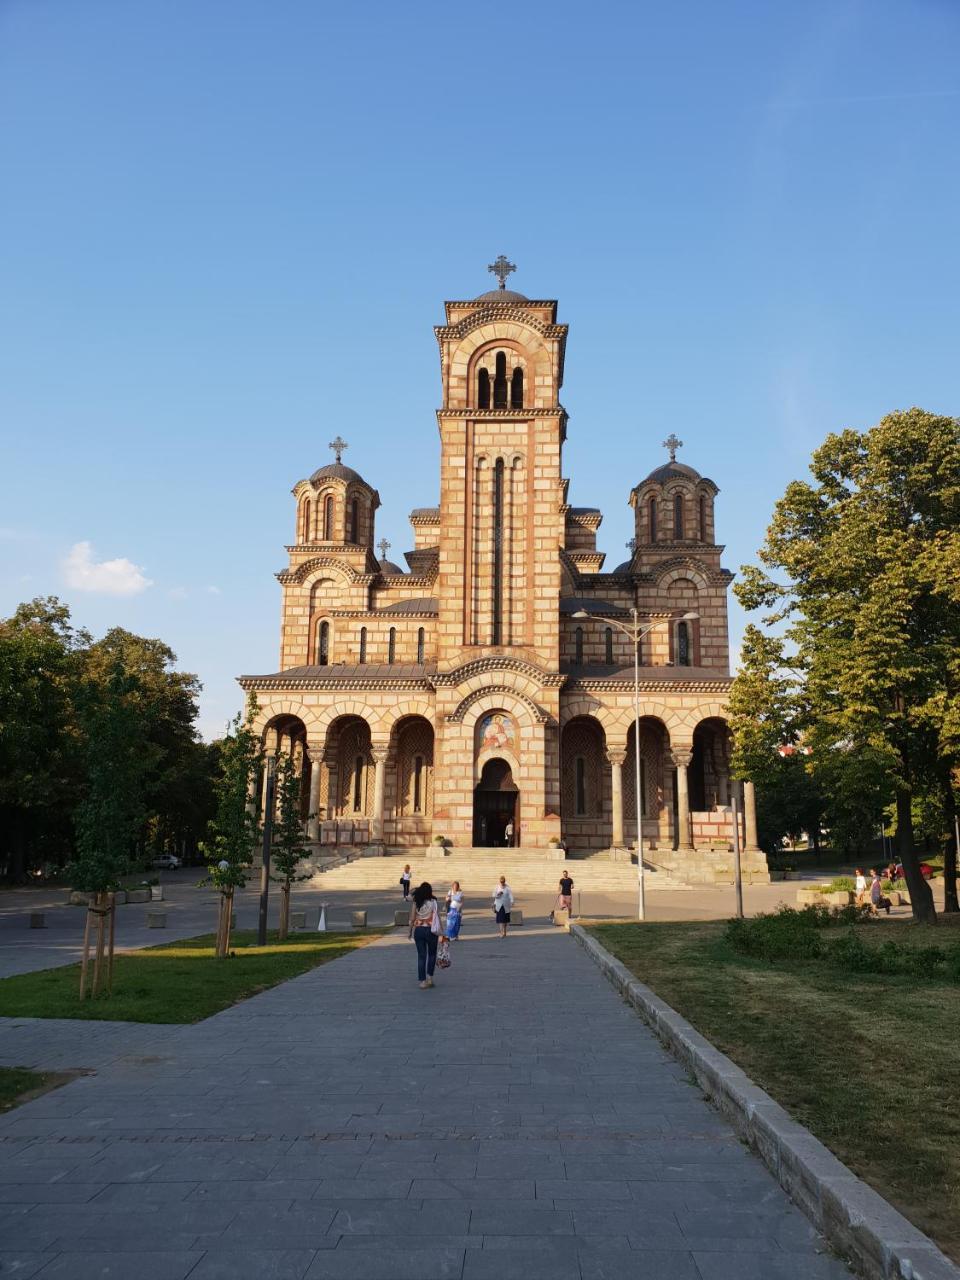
point(167, 861)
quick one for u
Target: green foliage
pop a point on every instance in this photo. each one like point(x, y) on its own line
point(841, 884)
point(288, 849)
point(55, 683)
point(111, 813)
point(233, 831)
point(871, 618)
point(790, 934)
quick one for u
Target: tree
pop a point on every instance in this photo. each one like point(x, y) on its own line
point(288, 835)
point(874, 626)
point(39, 766)
point(233, 830)
point(110, 815)
point(764, 716)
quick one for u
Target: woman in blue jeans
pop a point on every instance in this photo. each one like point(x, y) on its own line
point(425, 931)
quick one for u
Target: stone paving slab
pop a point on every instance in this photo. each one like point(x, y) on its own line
point(516, 1120)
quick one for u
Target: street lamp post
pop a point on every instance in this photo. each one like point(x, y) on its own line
point(636, 632)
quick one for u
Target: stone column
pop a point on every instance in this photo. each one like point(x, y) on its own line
point(379, 791)
point(684, 840)
point(313, 807)
point(751, 844)
point(252, 795)
point(616, 759)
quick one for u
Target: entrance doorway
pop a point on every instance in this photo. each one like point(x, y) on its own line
point(496, 801)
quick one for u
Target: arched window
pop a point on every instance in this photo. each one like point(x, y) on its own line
point(703, 517)
point(678, 516)
point(500, 382)
point(516, 389)
point(354, 534)
point(421, 637)
point(653, 519)
point(323, 644)
point(418, 784)
point(363, 644)
point(328, 519)
point(358, 784)
point(683, 644)
point(608, 639)
point(483, 389)
point(579, 647)
point(497, 637)
point(305, 524)
point(392, 645)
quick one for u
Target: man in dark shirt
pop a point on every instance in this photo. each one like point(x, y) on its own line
point(566, 892)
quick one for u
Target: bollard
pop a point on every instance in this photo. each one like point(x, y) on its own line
point(516, 917)
point(156, 919)
point(298, 919)
point(561, 917)
point(37, 920)
point(401, 919)
point(358, 919)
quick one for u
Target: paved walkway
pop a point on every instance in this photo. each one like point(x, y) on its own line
point(516, 1121)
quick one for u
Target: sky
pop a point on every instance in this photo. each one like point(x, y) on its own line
point(227, 229)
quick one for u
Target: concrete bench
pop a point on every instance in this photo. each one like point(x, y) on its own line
point(516, 916)
point(561, 917)
point(400, 918)
point(37, 920)
point(358, 919)
point(298, 919)
point(156, 919)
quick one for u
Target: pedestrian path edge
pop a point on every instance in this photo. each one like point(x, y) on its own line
point(856, 1220)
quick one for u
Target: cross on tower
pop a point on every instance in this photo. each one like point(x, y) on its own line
point(338, 446)
point(501, 269)
point(631, 545)
point(383, 546)
point(673, 444)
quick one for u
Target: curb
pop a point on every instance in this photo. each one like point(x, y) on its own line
point(855, 1220)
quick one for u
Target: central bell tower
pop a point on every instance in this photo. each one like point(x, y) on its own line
point(502, 429)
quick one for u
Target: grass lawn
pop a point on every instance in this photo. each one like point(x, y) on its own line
point(19, 1085)
point(870, 1063)
point(177, 982)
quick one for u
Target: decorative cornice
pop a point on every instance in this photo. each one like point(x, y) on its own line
point(585, 519)
point(297, 573)
point(595, 684)
point(510, 415)
point(281, 682)
point(498, 312)
point(386, 614)
point(479, 666)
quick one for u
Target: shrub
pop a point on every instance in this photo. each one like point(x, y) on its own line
point(787, 935)
point(841, 884)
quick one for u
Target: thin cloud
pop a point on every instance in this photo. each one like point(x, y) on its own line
point(213, 591)
point(119, 577)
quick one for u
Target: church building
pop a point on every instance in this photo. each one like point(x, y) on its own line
point(486, 693)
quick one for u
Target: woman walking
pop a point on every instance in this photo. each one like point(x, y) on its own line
point(502, 902)
point(405, 881)
point(425, 931)
point(454, 911)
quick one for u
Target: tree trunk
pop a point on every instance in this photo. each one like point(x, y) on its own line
point(98, 965)
point(113, 930)
point(227, 923)
point(85, 955)
point(950, 902)
point(284, 910)
point(921, 897)
point(221, 928)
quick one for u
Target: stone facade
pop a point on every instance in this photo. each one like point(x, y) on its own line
point(492, 681)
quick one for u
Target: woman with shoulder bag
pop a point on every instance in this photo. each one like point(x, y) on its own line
point(502, 902)
point(425, 931)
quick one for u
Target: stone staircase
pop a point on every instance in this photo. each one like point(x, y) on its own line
point(527, 871)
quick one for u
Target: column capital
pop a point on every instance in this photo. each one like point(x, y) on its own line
point(316, 755)
point(270, 753)
point(682, 756)
point(615, 757)
point(380, 752)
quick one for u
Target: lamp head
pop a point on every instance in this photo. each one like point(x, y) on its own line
point(690, 617)
point(581, 613)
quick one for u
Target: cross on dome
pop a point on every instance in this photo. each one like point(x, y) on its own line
point(383, 546)
point(501, 269)
point(673, 444)
point(631, 545)
point(338, 446)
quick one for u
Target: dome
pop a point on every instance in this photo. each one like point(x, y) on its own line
point(672, 471)
point(336, 471)
point(623, 568)
point(387, 566)
point(502, 295)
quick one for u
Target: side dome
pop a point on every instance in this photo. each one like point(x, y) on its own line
point(502, 295)
point(336, 471)
point(672, 471)
point(388, 567)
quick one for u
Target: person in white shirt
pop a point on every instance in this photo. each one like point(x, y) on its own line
point(508, 833)
point(502, 902)
point(860, 887)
